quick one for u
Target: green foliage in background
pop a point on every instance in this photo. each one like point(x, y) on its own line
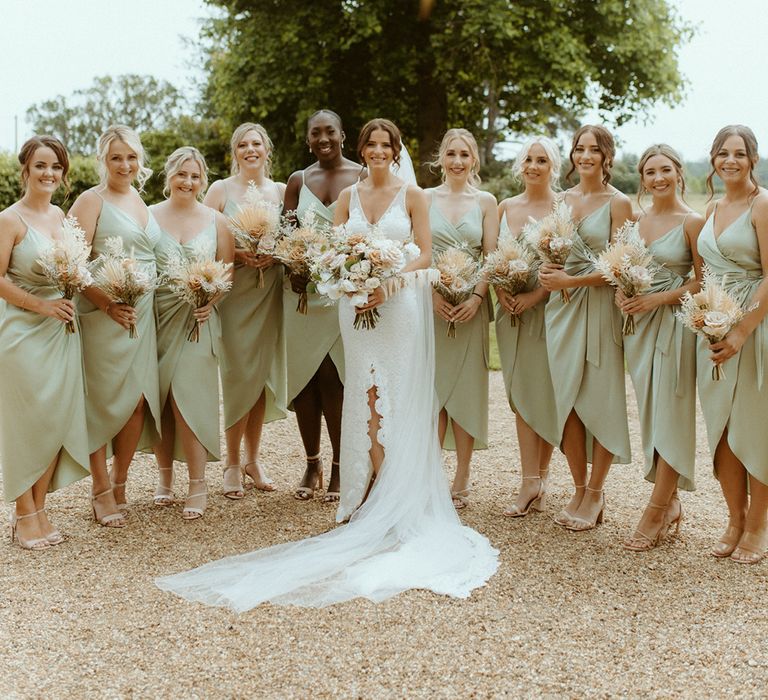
point(492, 66)
point(209, 136)
point(140, 101)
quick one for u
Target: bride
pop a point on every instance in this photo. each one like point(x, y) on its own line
point(403, 531)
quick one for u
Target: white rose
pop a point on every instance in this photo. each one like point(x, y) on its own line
point(372, 283)
point(412, 251)
point(329, 289)
point(347, 286)
point(338, 261)
point(716, 324)
point(640, 277)
point(365, 266)
point(557, 244)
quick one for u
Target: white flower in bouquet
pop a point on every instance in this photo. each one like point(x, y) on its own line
point(711, 313)
point(509, 267)
point(297, 247)
point(65, 262)
point(356, 265)
point(198, 279)
point(459, 273)
point(627, 264)
point(256, 225)
point(121, 277)
point(553, 237)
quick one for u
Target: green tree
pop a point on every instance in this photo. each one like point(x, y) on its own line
point(209, 136)
point(494, 66)
point(140, 101)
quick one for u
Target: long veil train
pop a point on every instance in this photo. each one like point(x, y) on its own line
point(407, 533)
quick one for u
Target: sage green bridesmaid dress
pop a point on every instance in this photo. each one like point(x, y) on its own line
point(584, 345)
point(525, 365)
point(309, 338)
point(42, 393)
point(461, 363)
point(188, 369)
point(119, 370)
point(661, 358)
point(738, 401)
point(252, 357)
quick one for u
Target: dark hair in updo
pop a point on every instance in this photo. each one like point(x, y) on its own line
point(327, 112)
point(43, 141)
point(382, 125)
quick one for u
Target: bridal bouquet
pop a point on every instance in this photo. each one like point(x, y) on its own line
point(297, 248)
point(197, 280)
point(552, 238)
point(459, 273)
point(627, 264)
point(509, 267)
point(65, 263)
point(256, 226)
point(357, 264)
point(121, 278)
point(711, 313)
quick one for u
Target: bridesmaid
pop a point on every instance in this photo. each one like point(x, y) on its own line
point(661, 355)
point(253, 349)
point(462, 215)
point(122, 395)
point(43, 439)
point(313, 341)
point(523, 347)
point(189, 382)
point(734, 244)
point(584, 342)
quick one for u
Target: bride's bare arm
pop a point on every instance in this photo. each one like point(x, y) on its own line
point(341, 213)
point(418, 209)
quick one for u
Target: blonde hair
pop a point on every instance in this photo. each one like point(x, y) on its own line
point(237, 137)
point(175, 163)
point(553, 153)
point(467, 138)
point(120, 132)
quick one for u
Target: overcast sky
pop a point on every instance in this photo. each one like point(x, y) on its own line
point(54, 47)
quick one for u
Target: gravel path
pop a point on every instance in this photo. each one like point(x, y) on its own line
point(567, 615)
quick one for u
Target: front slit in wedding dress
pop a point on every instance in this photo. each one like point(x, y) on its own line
point(407, 533)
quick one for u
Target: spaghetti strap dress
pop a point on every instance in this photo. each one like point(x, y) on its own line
point(42, 404)
point(738, 401)
point(461, 363)
point(585, 348)
point(253, 346)
point(525, 364)
point(407, 533)
point(119, 370)
point(310, 337)
point(189, 369)
point(661, 358)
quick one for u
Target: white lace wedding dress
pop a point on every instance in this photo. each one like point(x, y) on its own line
point(406, 534)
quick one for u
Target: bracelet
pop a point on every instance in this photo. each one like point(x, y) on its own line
point(23, 304)
point(479, 296)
